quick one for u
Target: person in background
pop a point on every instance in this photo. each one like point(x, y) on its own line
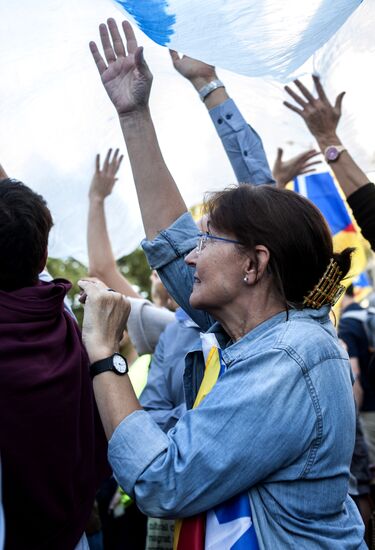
point(322, 119)
point(352, 331)
point(52, 445)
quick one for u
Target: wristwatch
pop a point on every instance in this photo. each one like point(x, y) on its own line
point(210, 87)
point(116, 363)
point(332, 152)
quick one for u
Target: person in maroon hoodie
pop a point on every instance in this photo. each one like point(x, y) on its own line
point(52, 446)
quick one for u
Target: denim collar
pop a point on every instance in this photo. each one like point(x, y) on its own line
point(233, 351)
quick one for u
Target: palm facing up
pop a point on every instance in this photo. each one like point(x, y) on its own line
point(125, 75)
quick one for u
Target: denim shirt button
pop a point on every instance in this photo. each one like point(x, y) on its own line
point(228, 116)
point(220, 120)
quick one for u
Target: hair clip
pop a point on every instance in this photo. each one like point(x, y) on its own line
point(328, 290)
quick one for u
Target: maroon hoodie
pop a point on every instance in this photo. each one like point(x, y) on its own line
point(52, 445)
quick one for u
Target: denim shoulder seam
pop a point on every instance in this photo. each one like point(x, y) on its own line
point(318, 412)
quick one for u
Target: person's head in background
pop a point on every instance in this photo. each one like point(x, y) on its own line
point(159, 294)
point(348, 297)
point(25, 223)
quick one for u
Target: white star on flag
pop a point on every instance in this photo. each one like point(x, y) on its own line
point(220, 536)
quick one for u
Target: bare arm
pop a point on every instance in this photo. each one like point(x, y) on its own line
point(102, 263)
point(127, 80)
point(322, 120)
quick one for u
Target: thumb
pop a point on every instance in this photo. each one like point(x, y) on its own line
point(140, 61)
point(338, 102)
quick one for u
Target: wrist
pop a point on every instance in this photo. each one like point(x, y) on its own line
point(98, 352)
point(96, 199)
point(199, 81)
point(326, 140)
point(142, 113)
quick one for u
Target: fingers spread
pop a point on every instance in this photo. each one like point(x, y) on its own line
point(295, 96)
point(106, 43)
point(99, 61)
point(118, 44)
point(106, 161)
point(308, 95)
point(131, 41)
point(293, 108)
point(319, 88)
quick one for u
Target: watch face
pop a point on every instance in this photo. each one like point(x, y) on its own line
point(332, 153)
point(119, 364)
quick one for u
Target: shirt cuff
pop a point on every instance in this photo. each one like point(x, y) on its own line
point(135, 443)
point(227, 118)
point(175, 242)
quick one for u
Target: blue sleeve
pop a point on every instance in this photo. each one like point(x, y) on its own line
point(156, 398)
point(189, 469)
point(242, 145)
point(166, 253)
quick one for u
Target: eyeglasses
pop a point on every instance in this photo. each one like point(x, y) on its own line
point(203, 238)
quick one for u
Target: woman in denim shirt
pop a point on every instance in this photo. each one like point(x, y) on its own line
point(279, 424)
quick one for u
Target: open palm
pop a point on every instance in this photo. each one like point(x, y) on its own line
point(125, 74)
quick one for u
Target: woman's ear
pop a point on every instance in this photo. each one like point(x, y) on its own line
point(256, 264)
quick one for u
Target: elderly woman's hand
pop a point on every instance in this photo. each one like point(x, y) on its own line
point(123, 70)
point(105, 317)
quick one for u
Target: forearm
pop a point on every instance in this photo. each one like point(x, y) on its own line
point(159, 198)
point(241, 143)
point(115, 399)
point(102, 263)
point(348, 174)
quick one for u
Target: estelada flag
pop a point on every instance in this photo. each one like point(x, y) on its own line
point(322, 190)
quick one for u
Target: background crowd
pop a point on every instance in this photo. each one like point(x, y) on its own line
point(58, 491)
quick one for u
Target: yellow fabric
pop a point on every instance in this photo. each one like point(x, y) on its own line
point(138, 373)
point(211, 374)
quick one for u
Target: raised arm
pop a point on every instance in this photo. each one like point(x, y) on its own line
point(242, 144)
point(102, 263)
point(322, 120)
point(127, 80)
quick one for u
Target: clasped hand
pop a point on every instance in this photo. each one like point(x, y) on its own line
point(105, 318)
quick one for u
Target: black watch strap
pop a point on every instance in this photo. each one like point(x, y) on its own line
point(115, 363)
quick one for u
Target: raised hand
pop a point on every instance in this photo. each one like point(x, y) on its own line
point(197, 72)
point(104, 178)
point(319, 115)
point(285, 171)
point(125, 74)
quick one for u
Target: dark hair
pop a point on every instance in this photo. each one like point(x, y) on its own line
point(289, 225)
point(25, 222)
point(350, 291)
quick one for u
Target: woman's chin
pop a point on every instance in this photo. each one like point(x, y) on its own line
point(196, 300)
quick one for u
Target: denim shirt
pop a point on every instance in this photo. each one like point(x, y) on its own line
point(279, 423)
point(163, 396)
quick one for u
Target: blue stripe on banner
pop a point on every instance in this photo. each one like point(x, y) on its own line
point(152, 17)
point(322, 191)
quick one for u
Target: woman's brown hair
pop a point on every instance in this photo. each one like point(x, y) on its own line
point(289, 225)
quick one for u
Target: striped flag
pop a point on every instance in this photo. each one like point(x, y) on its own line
point(322, 191)
point(228, 526)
